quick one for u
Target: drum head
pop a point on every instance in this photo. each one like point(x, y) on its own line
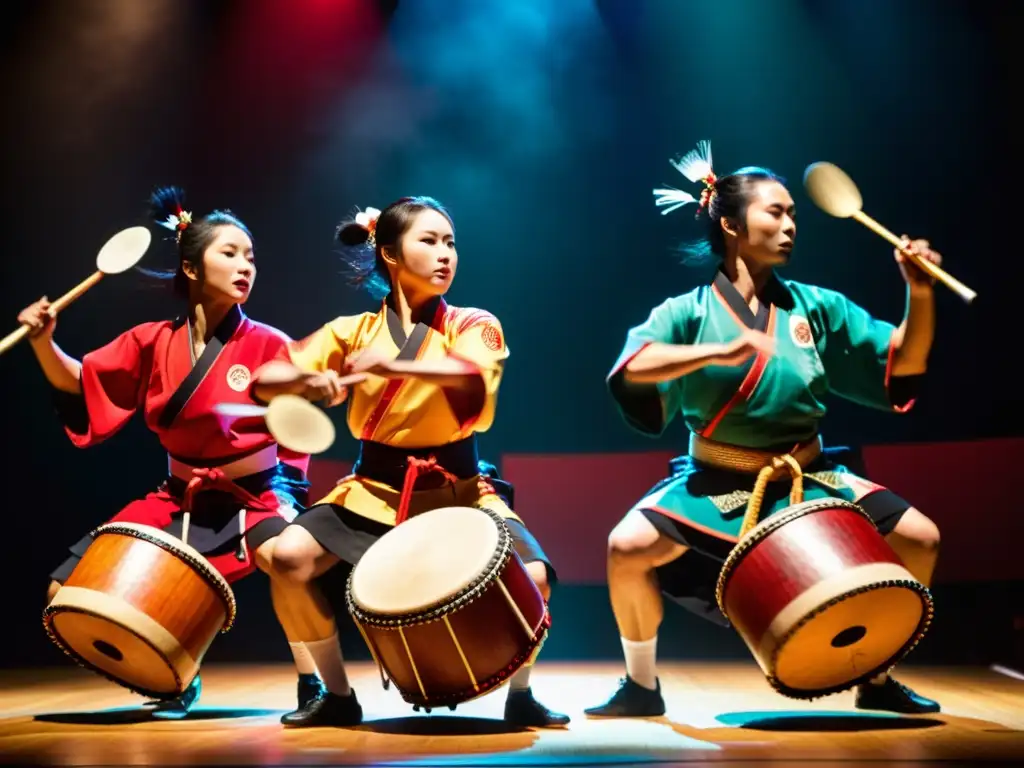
point(851, 638)
point(124, 250)
point(425, 561)
point(104, 644)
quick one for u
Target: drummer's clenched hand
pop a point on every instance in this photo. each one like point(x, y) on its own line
point(39, 319)
point(325, 388)
point(916, 277)
point(745, 346)
point(369, 362)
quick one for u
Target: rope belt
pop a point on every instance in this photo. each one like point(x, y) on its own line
point(768, 466)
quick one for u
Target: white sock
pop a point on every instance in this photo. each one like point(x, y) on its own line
point(521, 679)
point(327, 657)
point(303, 659)
point(880, 678)
point(641, 661)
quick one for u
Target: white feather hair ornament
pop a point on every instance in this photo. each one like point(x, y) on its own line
point(696, 166)
point(673, 198)
point(177, 222)
point(367, 219)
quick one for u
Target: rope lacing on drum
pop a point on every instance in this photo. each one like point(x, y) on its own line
point(210, 479)
point(768, 473)
point(415, 469)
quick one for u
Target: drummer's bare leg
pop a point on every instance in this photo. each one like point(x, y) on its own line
point(635, 549)
point(298, 559)
point(521, 708)
point(51, 592)
point(916, 540)
point(296, 609)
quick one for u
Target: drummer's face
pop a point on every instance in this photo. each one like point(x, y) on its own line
point(229, 266)
point(771, 225)
point(428, 257)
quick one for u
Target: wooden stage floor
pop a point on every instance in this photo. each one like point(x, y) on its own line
point(718, 713)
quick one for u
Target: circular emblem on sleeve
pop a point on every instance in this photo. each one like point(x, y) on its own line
point(239, 378)
point(800, 330)
point(492, 338)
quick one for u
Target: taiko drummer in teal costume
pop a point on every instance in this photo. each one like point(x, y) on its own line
point(746, 363)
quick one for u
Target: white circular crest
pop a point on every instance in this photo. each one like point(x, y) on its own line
point(239, 378)
point(800, 331)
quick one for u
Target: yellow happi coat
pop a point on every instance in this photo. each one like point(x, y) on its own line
point(409, 413)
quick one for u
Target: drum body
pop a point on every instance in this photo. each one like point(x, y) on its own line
point(446, 606)
point(821, 599)
point(141, 608)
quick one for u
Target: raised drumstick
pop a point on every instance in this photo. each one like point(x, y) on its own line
point(294, 422)
point(836, 194)
point(119, 254)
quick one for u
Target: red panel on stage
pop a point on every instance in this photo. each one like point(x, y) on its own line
point(572, 501)
point(970, 490)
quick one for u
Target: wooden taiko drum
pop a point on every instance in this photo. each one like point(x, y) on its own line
point(821, 599)
point(446, 606)
point(141, 609)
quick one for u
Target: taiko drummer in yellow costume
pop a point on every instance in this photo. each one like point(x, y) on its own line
point(421, 378)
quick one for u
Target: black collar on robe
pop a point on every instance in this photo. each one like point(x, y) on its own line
point(775, 292)
point(409, 346)
point(221, 335)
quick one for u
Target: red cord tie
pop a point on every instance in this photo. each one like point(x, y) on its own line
point(213, 479)
point(416, 468)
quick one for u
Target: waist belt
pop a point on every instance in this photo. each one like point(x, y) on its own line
point(260, 461)
point(750, 460)
point(388, 464)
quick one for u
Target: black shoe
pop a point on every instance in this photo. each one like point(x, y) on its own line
point(631, 700)
point(178, 707)
point(522, 709)
point(328, 710)
point(892, 696)
point(311, 688)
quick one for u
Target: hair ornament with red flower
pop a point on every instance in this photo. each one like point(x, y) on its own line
point(367, 219)
point(170, 201)
point(695, 165)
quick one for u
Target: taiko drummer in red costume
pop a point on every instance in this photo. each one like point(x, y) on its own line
point(242, 488)
point(428, 382)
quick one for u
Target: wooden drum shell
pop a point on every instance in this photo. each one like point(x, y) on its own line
point(806, 561)
point(464, 647)
point(141, 608)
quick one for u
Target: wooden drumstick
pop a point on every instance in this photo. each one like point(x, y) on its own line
point(835, 193)
point(119, 254)
point(294, 422)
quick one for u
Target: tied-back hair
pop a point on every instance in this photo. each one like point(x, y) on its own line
point(365, 235)
point(731, 200)
point(192, 236)
point(725, 197)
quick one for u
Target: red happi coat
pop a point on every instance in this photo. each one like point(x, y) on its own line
point(150, 369)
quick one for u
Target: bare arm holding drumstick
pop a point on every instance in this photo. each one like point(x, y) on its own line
point(916, 333)
point(282, 378)
point(663, 362)
point(62, 370)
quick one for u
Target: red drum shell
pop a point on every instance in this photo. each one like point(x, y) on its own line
point(821, 599)
point(464, 644)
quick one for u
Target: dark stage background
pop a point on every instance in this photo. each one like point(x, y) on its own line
point(544, 124)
